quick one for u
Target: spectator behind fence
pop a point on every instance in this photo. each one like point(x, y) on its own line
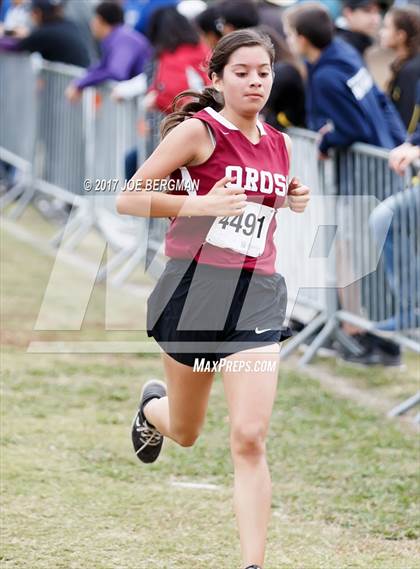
point(402, 251)
point(81, 12)
point(191, 8)
point(17, 19)
point(344, 105)
point(124, 51)
point(209, 25)
point(401, 33)
point(181, 58)
point(286, 104)
point(359, 23)
point(237, 15)
point(270, 13)
point(53, 36)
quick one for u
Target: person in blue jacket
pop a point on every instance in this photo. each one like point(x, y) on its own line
point(344, 106)
point(342, 101)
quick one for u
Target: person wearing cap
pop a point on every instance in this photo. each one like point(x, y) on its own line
point(360, 23)
point(271, 12)
point(207, 23)
point(125, 52)
point(237, 15)
point(53, 36)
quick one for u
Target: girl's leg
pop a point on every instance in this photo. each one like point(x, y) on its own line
point(250, 396)
point(181, 414)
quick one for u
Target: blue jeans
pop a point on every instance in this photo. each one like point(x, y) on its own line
point(397, 219)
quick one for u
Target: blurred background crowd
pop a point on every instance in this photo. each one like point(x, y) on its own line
point(347, 69)
point(169, 41)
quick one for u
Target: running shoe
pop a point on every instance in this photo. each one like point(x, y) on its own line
point(147, 441)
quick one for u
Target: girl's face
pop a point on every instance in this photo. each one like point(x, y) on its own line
point(389, 35)
point(247, 80)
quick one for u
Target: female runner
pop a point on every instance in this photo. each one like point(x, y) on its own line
point(219, 301)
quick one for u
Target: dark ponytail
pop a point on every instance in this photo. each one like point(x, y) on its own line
point(210, 97)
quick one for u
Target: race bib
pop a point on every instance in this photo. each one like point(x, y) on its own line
point(245, 233)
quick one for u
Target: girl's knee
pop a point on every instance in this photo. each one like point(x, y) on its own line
point(248, 440)
point(185, 438)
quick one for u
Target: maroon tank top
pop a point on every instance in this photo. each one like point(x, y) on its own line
point(261, 168)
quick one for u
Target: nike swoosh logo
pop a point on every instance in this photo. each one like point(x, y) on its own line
point(258, 331)
point(225, 132)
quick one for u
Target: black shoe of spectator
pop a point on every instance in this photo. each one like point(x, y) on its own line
point(372, 351)
point(383, 344)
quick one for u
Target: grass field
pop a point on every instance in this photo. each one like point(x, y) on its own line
point(345, 479)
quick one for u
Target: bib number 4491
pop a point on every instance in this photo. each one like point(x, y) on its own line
point(245, 223)
point(245, 233)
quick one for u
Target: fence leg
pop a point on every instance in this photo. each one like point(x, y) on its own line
point(156, 267)
point(300, 338)
point(347, 342)
point(79, 234)
point(71, 226)
point(117, 259)
point(405, 406)
point(319, 341)
point(12, 194)
point(23, 202)
point(129, 267)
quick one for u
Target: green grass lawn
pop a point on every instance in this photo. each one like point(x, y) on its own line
point(392, 383)
point(345, 479)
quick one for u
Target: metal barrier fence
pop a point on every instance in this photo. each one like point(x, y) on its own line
point(59, 145)
point(372, 287)
point(393, 290)
point(374, 260)
point(18, 119)
point(146, 247)
point(307, 282)
point(18, 109)
point(60, 161)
